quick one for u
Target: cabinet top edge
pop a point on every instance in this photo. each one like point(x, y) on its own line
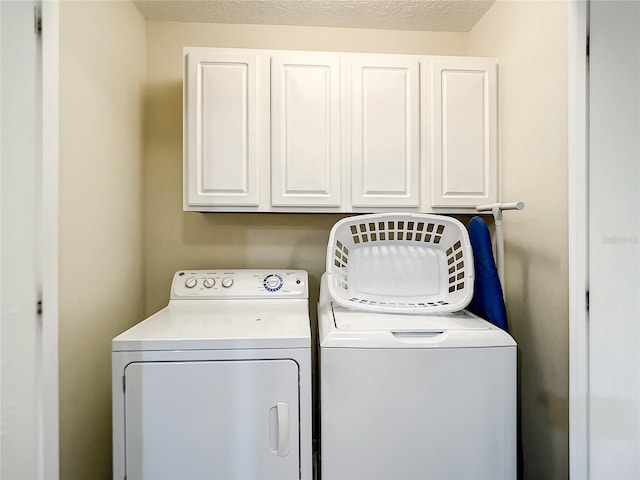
point(272, 52)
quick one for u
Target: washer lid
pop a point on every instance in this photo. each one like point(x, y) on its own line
point(344, 328)
point(354, 320)
point(221, 325)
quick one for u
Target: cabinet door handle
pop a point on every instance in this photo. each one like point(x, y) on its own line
point(283, 429)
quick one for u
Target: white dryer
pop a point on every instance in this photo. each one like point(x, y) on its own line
point(218, 383)
point(414, 396)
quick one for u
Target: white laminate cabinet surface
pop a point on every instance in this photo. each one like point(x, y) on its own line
point(385, 130)
point(221, 106)
point(293, 131)
point(464, 142)
point(306, 130)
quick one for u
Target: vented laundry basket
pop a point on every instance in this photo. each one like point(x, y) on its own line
point(401, 263)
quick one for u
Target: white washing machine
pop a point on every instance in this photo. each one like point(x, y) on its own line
point(218, 383)
point(415, 397)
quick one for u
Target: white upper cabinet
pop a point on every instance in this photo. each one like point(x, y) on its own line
point(293, 131)
point(385, 130)
point(305, 130)
point(220, 115)
point(464, 161)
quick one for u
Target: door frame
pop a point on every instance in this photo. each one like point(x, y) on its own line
point(45, 434)
point(578, 32)
point(42, 367)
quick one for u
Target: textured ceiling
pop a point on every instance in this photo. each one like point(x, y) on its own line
point(426, 15)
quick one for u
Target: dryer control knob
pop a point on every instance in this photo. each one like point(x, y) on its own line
point(272, 283)
point(190, 282)
point(227, 282)
point(209, 282)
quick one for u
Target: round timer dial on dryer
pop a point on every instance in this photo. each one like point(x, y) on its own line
point(272, 283)
point(209, 282)
point(190, 282)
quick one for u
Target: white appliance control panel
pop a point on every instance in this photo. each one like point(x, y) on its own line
point(243, 283)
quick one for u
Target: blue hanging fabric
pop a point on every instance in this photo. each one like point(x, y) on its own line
point(488, 299)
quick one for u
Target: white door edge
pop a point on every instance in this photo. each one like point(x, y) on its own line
point(578, 247)
point(49, 434)
point(1, 440)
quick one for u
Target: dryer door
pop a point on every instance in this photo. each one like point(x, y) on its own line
point(212, 419)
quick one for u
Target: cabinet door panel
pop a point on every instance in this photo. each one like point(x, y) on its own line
point(464, 160)
point(221, 110)
point(385, 133)
point(306, 130)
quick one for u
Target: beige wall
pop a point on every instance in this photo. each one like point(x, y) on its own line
point(530, 38)
point(102, 74)
point(175, 239)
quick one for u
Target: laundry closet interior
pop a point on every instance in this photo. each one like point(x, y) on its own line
point(121, 171)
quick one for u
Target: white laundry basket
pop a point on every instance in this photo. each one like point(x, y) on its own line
point(400, 262)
